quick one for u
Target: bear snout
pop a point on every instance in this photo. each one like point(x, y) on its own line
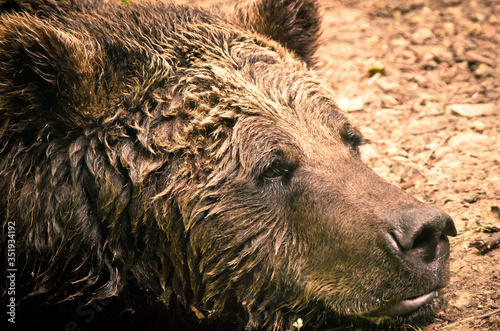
point(421, 236)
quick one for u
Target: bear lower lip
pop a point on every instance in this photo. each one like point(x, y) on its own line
point(404, 307)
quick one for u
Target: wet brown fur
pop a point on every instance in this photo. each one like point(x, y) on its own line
point(195, 151)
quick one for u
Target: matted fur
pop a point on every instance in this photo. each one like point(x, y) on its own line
point(195, 151)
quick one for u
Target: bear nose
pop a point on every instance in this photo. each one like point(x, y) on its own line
point(422, 234)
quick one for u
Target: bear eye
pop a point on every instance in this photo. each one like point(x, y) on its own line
point(275, 170)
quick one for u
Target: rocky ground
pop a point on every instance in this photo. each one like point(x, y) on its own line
point(421, 78)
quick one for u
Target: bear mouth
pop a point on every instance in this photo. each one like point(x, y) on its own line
point(404, 307)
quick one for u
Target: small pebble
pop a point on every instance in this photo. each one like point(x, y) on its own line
point(483, 70)
point(449, 28)
point(422, 35)
point(478, 126)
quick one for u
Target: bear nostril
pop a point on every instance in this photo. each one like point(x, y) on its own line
point(421, 232)
point(425, 244)
point(425, 238)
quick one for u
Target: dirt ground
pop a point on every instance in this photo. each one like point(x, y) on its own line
point(421, 78)
point(433, 119)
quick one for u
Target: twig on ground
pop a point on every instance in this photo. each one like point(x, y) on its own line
point(480, 317)
point(486, 245)
point(432, 151)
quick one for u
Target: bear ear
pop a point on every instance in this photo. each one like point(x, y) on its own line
point(296, 24)
point(45, 75)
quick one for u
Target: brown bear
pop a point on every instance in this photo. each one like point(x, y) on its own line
point(187, 165)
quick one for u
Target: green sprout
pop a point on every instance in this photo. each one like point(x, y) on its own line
point(298, 324)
